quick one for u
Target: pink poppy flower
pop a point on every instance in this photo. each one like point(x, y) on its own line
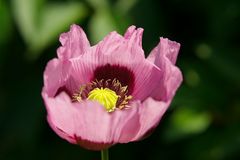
point(109, 93)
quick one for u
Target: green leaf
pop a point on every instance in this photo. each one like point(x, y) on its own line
point(98, 3)
point(101, 24)
point(186, 121)
point(55, 18)
point(5, 23)
point(26, 14)
point(41, 23)
point(123, 6)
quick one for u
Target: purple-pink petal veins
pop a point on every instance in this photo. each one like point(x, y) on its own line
point(164, 56)
point(55, 75)
point(74, 43)
point(150, 113)
point(134, 35)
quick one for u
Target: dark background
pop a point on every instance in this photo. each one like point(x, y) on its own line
point(203, 122)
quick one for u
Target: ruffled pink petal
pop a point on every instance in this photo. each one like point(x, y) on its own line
point(146, 81)
point(57, 76)
point(83, 67)
point(98, 55)
point(164, 56)
point(167, 48)
point(122, 48)
point(150, 112)
point(110, 43)
point(60, 116)
point(98, 126)
point(132, 40)
point(134, 35)
point(74, 43)
point(89, 124)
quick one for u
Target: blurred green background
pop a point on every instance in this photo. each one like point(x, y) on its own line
point(203, 122)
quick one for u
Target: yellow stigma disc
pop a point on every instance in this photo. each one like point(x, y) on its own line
point(106, 97)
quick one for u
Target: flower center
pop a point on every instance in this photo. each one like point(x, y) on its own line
point(104, 96)
point(110, 93)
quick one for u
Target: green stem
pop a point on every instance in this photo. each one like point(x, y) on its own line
point(104, 154)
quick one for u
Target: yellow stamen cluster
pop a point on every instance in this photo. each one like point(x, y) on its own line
point(104, 96)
